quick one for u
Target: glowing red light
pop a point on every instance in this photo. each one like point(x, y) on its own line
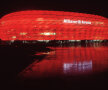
point(53, 25)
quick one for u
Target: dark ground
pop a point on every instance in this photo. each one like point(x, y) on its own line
point(15, 58)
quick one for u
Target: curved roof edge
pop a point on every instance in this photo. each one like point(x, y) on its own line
point(51, 11)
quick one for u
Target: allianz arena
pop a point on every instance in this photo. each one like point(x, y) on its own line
point(53, 25)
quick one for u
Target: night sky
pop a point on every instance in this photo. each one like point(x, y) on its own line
point(93, 7)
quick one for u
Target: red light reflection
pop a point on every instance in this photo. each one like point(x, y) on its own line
point(67, 61)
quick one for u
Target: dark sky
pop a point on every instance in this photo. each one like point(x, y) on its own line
point(99, 7)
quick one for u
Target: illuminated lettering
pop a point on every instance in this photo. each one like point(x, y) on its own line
point(77, 21)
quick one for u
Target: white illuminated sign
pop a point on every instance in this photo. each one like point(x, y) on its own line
point(76, 21)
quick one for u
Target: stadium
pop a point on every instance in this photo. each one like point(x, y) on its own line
point(38, 25)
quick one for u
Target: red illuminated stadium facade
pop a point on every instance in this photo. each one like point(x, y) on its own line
point(53, 25)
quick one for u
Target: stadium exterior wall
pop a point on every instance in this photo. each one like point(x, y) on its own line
point(53, 25)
